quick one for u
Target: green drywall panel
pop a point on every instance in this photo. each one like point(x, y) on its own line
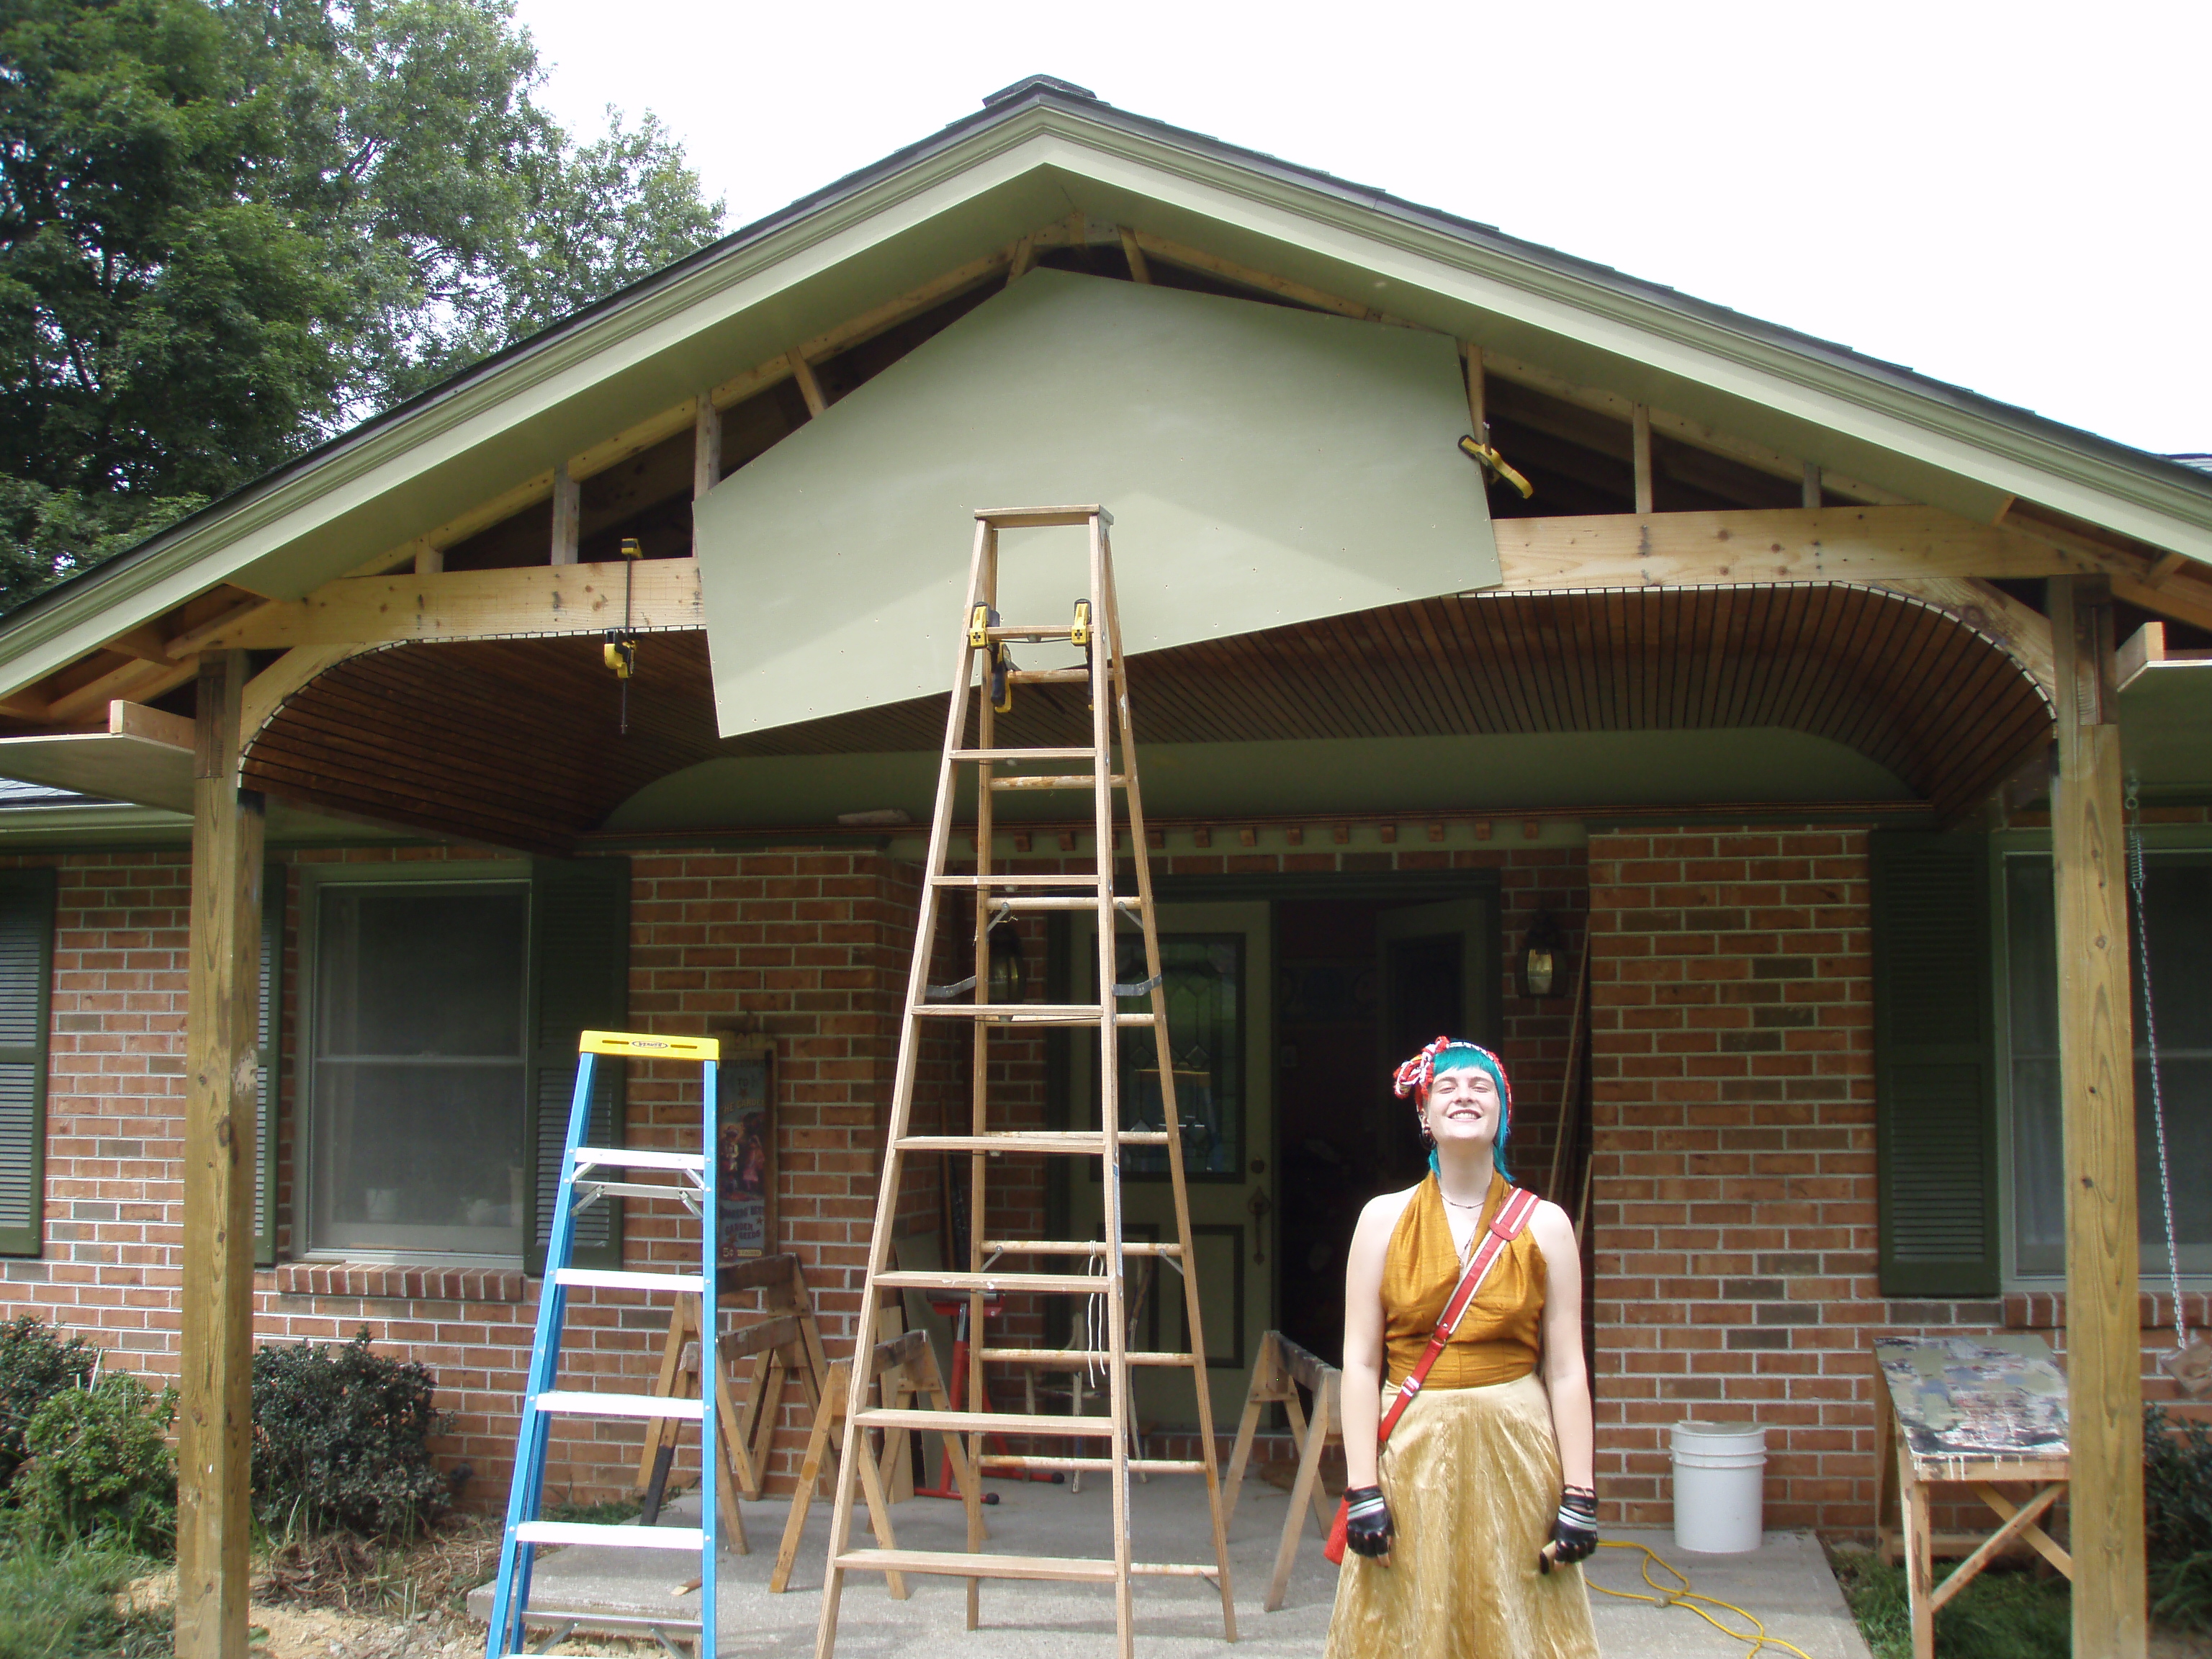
point(1263, 465)
point(2166, 728)
point(1503, 772)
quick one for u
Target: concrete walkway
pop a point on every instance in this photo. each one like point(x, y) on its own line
point(1787, 1583)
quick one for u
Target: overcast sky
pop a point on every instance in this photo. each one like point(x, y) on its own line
point(2007, 195)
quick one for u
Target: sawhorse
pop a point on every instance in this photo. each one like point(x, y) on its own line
point(907, 1371)
point(1281, 1369)
point(784, 1342)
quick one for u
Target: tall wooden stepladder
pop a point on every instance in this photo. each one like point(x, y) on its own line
point(597, 1174)
point(995, 896)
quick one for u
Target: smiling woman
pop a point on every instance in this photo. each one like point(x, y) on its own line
point(1464, 1495)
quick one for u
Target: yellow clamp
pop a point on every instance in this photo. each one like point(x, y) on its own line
point(1495, 464)
point(1080, 634)
point(620, 652)
point(641, 1047)
point(979, 626)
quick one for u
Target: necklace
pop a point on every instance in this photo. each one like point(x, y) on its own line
point(1474, 1204)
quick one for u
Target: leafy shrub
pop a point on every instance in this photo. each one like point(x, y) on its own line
point(2176, 1488)
point(341, 1441)
point(36, 1362)
point(99, 1468)
point(2001, 1614)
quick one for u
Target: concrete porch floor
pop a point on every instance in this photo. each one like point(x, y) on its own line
point(1787, 1583)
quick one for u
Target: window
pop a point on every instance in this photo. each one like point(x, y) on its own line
point(440, 1011)
point(26, 946)
point(2178, 903)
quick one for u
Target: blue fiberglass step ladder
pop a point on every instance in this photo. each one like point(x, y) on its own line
point(590, 1175)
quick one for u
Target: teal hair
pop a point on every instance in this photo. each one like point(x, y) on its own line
point(1459, 1056)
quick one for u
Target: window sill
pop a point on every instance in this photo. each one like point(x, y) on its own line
point(386, 1282)
point(2045, 1310)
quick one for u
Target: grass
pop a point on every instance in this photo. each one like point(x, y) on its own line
point(2003, 1615)
point(62, 1604)
point(2181, 1592)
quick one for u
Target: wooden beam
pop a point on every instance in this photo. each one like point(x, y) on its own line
point(567, 515)
point(215, 1423)
point(2186, 597)
point(188, 645)
point(2096, 1073)
point(1681, 429)
point(135, 679)
point(1760, 545)
point(148, 643)
point(2022, 631)
point(429, 558)
point(1813, 497)
point(135, 719)
point(2164, 566)
point(1477, 405)
point(1191, 258)
point(2146, 647)
point(1139, 270)
point(1639, 448)
point(1025, 257)
point(530, 601)
point(808, 387)
point(706, 448)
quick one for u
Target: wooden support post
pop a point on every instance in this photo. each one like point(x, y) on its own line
point(2096, 1070)
point(215, 1429)
point(567, 515)
point(706, 448)
point(1478, 408)
point(1812, 484)
point(808, 387)
point(429, 558)
point(1639, 426)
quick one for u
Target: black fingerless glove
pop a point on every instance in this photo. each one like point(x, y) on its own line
point(1574, 1528)
point(1367, 1529)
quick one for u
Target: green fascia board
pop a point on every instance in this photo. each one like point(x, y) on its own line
point(2166, 728)
point(1264, 467)
point(1497, 771)
point(981, 182)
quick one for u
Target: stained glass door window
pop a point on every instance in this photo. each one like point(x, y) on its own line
point(1204, 977)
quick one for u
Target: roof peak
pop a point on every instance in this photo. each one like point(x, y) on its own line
point(1030, 83)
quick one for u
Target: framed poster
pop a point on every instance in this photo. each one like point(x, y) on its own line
point(745, 1161)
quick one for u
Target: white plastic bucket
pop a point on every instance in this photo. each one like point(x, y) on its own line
point(1720, 1469)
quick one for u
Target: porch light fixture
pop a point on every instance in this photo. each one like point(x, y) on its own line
point(1543, 958)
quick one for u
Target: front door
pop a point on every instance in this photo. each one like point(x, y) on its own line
point(1218, 962)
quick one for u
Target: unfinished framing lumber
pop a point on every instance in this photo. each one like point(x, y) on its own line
point(2022, 632)
point(706, 448)
point(808, 387)
point(135, 719)
point(526, 601)
point(567, 515)
point(1812, 495)
point(2096, 1071)
point(1639, 443)
point(1139, 270)
point(215, 1420)
point(1478, 407)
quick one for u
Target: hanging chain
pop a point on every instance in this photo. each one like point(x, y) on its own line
point(2150, 1043)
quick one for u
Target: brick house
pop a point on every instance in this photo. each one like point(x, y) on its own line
point(1748, 707)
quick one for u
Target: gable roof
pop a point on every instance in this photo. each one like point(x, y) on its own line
point(1033, 154)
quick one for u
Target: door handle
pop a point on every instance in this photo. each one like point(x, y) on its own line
point(1259, 1207)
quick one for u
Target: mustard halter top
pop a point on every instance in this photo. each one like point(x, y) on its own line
point(1499, 1338)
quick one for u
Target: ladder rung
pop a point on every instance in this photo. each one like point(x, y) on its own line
point(1144, 1137)
point(614, 1278)
point(1076, 1246)
point(1058, 780)
point(681, 1190)
point(1030, 633)
point(648, 1621)
point(1019, 879)
point(1056, 901)
point(1136, 1465)
point(1010, 1140)
point(1042, 518)
point(582, 1402)
point(996, 755)
point(953, 1564)
point(1019, 1013)
point(881, 1417)
point(1049, 676)
point(1133, 1019)
point(1069, 1357)
point(1011, 1284)
point(629, 1158)
point(621, 1537)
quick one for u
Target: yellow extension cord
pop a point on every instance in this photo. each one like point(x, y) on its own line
point(1684, 1597)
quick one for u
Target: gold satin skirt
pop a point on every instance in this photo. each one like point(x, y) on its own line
point(1472, 1479)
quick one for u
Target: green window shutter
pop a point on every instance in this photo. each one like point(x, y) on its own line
point(1936, 1141)
point(27, 979)
point(579, 982)
point(267, 1075)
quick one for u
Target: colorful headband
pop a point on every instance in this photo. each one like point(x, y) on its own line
point(1415, 1076)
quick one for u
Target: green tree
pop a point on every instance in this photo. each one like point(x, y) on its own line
point(229, 230)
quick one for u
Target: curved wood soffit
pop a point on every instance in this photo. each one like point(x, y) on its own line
point(517, 741)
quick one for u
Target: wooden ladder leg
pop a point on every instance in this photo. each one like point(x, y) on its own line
point(1113, 666)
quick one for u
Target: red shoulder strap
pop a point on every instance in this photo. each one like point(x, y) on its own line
point(1512, 1216)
